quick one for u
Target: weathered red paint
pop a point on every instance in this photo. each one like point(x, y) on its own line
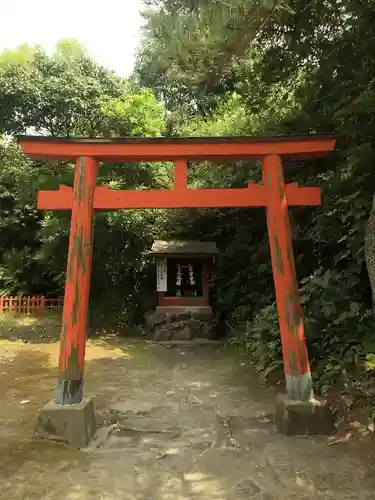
point(295, 356)
point(255, 195)
point(180, 175)
point(181, 301)
point(170, 149)
point(77, 287)
point(273, 194)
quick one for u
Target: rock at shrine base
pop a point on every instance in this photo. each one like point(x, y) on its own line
point(303, 417)
point(71, 424)
point(177, 324)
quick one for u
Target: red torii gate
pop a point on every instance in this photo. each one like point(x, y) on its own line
point(273, 193)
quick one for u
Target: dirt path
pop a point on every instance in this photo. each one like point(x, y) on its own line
point(181, 423)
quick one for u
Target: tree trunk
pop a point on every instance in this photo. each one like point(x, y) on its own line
point(370, 250)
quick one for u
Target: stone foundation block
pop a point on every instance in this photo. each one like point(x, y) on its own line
point(72, 424)
point(303, 417)
point(181, 325)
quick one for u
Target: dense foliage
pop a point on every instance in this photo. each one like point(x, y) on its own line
point(211, 67)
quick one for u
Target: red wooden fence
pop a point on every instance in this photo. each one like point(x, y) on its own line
point(22, 304)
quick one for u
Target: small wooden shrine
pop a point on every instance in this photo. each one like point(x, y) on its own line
point(184, 273)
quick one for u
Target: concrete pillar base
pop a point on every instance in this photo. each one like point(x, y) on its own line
point(303, 417)
point(71, 424)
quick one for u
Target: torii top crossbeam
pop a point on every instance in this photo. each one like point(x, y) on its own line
point(178, 150)
point(170, 149)
point(273, 193)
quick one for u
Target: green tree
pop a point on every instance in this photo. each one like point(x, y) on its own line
point(190, 48)
point(68, 94)
point(58, 95)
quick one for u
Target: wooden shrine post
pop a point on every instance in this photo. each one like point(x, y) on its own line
point(69, 388)
point(296, 362)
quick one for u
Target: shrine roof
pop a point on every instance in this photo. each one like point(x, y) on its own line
point(171, 148)
point(184, 247)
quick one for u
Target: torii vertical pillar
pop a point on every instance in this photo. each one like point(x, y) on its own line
point(70, 416)
point(69, 388)
point(298, 411)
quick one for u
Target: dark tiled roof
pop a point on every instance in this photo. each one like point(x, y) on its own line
point(184, 247)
